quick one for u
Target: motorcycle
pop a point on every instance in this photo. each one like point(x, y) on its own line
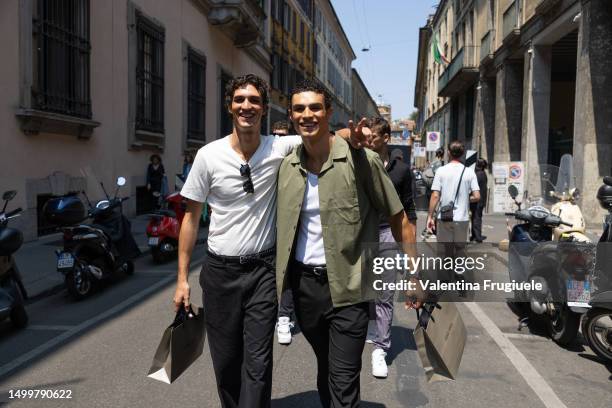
point(12, 291)
point(560, 268)
point(597, 323)
point(96, 252)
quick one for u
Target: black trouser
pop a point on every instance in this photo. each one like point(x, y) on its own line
point(476, 209)
point(240, 307)
point(337, 336)
point(286, 308)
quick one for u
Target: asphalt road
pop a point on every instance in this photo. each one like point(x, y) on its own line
point(100, 350)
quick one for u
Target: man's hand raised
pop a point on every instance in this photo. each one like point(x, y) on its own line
point(360, 134)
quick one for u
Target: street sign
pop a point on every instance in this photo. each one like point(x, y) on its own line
point(433, 141)
point(506, 174)
point(420, 151)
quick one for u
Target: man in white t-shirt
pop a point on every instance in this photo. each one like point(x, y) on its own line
point(455, 184)
point(237, 176)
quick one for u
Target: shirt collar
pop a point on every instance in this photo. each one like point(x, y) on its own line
point(339, 151)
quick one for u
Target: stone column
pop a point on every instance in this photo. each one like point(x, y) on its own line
point(484, 119)
point(508, 112)
point(536, 115)
point(593, 124)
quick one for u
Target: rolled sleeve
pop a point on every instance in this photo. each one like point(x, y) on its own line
point(197, 184)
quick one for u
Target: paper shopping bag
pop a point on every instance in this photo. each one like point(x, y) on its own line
point(440, 337)
point(181, 344)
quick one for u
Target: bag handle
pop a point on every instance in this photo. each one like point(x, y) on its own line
point(182, 315)
point(459, 185)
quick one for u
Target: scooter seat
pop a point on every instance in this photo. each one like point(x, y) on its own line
point(166, 213)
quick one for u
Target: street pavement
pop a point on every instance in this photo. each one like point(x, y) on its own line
point(101, 349)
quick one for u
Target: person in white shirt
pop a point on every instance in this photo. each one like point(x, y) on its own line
point(237, 176)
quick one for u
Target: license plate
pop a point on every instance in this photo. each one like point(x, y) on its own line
point(578, 291)
point(65, 260)
point(153, 241)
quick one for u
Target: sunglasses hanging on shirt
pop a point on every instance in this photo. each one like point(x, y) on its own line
point(247, 186)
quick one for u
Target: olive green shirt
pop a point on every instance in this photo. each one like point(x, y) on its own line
point(354, 190)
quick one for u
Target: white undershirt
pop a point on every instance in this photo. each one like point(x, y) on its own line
point(310, 249)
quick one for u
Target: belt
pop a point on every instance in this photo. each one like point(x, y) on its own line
point(318, 272)
point(243, 259)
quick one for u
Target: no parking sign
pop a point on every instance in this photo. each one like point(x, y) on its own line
point(433, 141)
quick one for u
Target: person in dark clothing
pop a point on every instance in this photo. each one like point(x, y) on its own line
point(401, 177)
point(155, 179)
point(476, 209)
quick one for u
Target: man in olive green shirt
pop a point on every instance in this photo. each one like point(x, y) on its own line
point(330, 198)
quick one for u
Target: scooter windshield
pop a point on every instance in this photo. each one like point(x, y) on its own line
point(565, 179)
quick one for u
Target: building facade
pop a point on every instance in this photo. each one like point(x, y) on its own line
point(333, 58)
point(385, 111)
point(91, 91)
point(292, 51)
point(524, 81)
point(363, 103)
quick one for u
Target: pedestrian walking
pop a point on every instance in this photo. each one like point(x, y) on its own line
point(476, 209)
point(454, 187)
point(237, 175)
point(155, 180)
point(330, 198)
point(401, 177)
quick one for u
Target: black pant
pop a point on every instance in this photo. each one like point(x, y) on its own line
point(476, 209)
point(337, 336)
point(285, 308)
point(240, 307)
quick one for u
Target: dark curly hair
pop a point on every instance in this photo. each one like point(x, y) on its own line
point(309, 85)
point(241, 82)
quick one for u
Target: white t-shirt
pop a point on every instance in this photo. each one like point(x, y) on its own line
point(310, 249)
point(446, 180)
point(241, 223)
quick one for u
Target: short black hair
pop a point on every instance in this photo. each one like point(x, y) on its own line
point(309, 85)
point(482, 164)
point(440, 152)
point(241, 82)
point(280, 125)
point(155, 156)
point(456, 149)
point(379, 125)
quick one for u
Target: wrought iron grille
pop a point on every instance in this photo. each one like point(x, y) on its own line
point(196, 96)
point(61, 57)
point(149, 76)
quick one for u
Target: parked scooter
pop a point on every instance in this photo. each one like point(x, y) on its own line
point(93, 252)
point(534, 256)
point(597, 323)
point(164, 227)
point(12, 291)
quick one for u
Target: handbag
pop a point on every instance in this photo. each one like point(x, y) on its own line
point(447, 211)
point(181, 344)
point(440, 338)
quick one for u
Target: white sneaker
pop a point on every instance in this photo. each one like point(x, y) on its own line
point(283, 330)
point(379, 365)
point(371, 331)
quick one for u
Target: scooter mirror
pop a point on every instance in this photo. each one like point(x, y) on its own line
point(9, 195)
point(513, 191)
point(121, 181)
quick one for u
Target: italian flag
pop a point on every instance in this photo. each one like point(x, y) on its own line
point(438, 55)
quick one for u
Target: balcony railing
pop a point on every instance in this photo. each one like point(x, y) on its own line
point(511, 22)
point(487, 49)
point(461, 69)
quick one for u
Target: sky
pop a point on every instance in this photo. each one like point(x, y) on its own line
point(390, 28)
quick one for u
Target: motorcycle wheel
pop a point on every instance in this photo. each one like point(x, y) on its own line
point(597, 329)
point(563, 328)
point(79, 282)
